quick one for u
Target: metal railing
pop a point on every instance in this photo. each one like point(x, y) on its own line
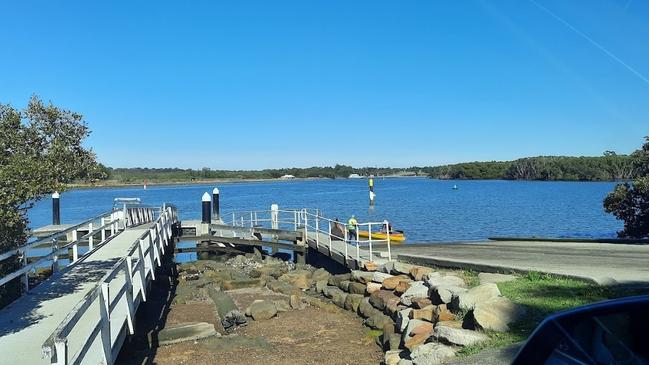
point(311, 221)
point(101, 229)
point(116, 297)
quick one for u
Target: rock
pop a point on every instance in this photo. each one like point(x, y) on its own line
point(370, 266)
point(416, 340)
point(372, 287)
point(353, 301)
point(262, 309)
point(425, 314)
point(431, 353)
point(296, 302)
point(357, 288)
point(334, 280)
point(379, 277)
point(405, 362)
point(393, 306)
point(365, 308)
point(338, 298)
point(344, 285)
point(445, 280)
point(363, 277)
point(496, 314)
point(402, 287)
point(443, 314)
point(329, 291)
point(282, 305)
point(401, 268)
point(425, 327)
point(418, 272)
point(185, 332)
point(417, 290)
point(392, 357)
point(378, 320)
point(450, 323)
point(392, 282)
point(458, 336)
point(443, 294)
point(320, 285)
point(280, 286)
point(299, 278)
point(487, 278)
point(381, 298)
point(394, 341)
point(403, 316)
point(415, 323)
point(238, 284)
point(468, 300)
point(320, 274)
point(420, 303)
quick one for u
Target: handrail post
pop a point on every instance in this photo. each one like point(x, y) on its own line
point(358, 249)
point(75, 247)
point(369, 230)
point(103, 229)
point(317, 232)
point(329, 235)
point(104, 312)
point(26, 276)
point(91, 237)
point(387, 229)
point(233, 218)
point(251, 220)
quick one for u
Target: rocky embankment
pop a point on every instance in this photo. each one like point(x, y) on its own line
point(423, 316)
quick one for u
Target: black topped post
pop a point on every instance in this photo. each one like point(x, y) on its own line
point(56, 208)
point(206, 208)
point(215, 204)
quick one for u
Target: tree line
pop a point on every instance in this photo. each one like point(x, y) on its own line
point(609, 167)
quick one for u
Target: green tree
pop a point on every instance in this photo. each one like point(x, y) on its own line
point(630, 201)
point(40, 152)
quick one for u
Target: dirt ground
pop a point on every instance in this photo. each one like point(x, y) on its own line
point(309, 336)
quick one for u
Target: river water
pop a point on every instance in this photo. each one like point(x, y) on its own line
point(427, 210)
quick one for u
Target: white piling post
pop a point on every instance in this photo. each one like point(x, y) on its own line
point(75, 247)
point(274, 216)
point(387, 228)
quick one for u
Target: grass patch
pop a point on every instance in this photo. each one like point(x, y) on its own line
point(471, 278)
point(541, 295)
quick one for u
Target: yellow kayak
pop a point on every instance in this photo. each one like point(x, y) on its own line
point(395, 236)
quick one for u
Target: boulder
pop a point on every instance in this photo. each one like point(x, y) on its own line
point(357, 288)
point(450, 323)
point(378, 320)
point(282, 305)
point(427, 314)
point(330, 291)
point(372, 287)
point(280, 286)
point(371, 266)
point(405, 362)
point(443, 314)
point(403, 316)
point(334, 280)
point(344, 285)
point(363, 277)
point(320, 274)
point(353, 301)
point(416, 290)
point(392, 357)
point(496, 314)
point(487, 278)
point(186, 332)
point(338, 298)
point(365, 308)
point(381, 298)
point(415, 341)
point(402, 287)
point(401, 268)
point(445, 280)
point(379, 277)
point(261, 310)
point(298, 278)
point(392, 282)
point(418, 272)
point(431, 353)
point(468, 300)
point(394, 341)
point(420, 303)
point(320, 285)
point(443, 294)
point(414, 327)
point(458, 336)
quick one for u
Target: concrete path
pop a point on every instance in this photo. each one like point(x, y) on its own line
point(602, 263)
point(29, 321)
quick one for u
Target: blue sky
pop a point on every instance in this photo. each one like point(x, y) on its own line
point(257, 84)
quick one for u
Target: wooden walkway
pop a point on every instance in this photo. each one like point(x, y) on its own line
point(28, 323)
